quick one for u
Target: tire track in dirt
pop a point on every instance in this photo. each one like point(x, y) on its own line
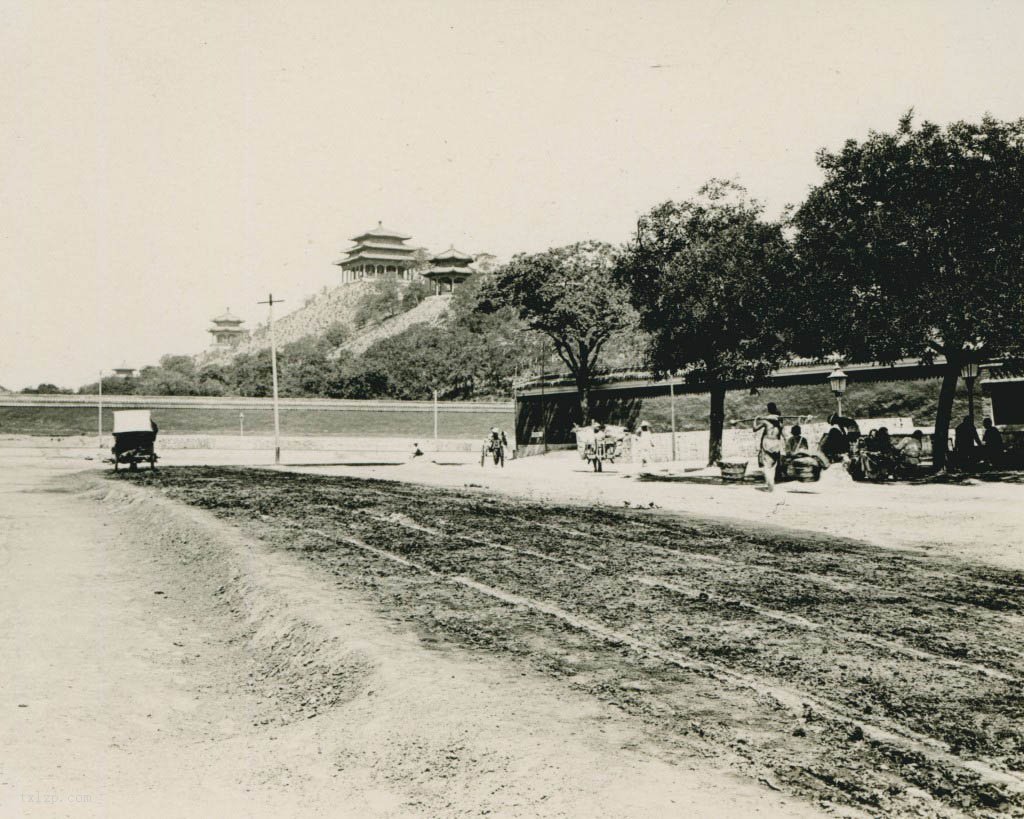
point(794, 700)
point(693, 592)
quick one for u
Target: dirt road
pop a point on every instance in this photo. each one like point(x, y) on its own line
point(880, 680)
point(156, 663)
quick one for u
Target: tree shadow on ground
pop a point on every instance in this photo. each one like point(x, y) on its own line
point(1015, 476)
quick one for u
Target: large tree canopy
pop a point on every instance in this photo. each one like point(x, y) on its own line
point(568, 294)
point(709, 279)
point(913, 246)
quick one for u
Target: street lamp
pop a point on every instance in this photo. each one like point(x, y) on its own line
point(241, 424)
point(969, 373)
point(837, 383)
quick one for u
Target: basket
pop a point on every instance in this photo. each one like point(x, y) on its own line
point(733, 471)
point(806, 474)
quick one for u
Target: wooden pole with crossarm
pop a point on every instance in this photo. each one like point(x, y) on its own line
point(270, 302)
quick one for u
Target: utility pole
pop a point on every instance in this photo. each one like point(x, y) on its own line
point(672, 411)
point(99, 414)
point(435, 420)
point(273, 371)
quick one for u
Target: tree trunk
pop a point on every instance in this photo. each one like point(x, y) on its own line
point(583, 394)
point(940, 444)
point(717, 423)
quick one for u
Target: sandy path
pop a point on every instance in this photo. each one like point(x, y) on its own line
point(251, 687)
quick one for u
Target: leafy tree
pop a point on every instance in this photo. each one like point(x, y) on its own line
point(45, 389)
point(569, 295)
point(383, 300)
point(415, 292)
point(705, 276)
point(913, 246)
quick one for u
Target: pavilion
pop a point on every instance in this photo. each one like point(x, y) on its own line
point(227, 330)
point(378, 252)
point(449, 268)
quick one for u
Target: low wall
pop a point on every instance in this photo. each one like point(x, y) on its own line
point(257, 442)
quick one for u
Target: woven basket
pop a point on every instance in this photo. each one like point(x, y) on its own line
point(733, 471)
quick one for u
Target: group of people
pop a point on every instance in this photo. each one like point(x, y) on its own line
point(872, 457)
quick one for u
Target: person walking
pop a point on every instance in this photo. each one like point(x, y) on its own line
point(769, 449)
point(645, 444)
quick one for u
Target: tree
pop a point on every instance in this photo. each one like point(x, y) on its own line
point(569, 295)
point(913, 246)
point(383, 300)
point(706, 277)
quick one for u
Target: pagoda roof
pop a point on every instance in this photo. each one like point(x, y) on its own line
point(227, 317)
point(450, 270)
point(376, 256)
point(389, 246)
point(380, 230)
point(453, 254)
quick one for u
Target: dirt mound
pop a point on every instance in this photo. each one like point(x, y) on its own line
point(301, 666)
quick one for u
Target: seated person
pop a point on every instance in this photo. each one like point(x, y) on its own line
point(875, 456)
point(992, 447)
point(834, 444)
point(909, 452)
point(796, 443)
point(965, 441)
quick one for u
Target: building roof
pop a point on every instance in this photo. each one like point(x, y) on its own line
point(227, 317)
point(1009, 371)
point(360, 256)
point(464, 272)
point(382, 231)
point(451, 254)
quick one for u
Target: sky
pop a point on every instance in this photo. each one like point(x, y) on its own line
point(163, 160)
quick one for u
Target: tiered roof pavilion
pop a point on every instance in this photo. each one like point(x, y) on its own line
point(377, 252)
point(449, 268)
point(227, 329)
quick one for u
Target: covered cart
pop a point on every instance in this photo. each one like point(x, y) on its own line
point(134, 437)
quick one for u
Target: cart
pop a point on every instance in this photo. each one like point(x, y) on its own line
point(599, 445)
point(134, 436)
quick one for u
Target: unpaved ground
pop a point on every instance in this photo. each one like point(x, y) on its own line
point(971, 519)
point(156, 663)
point(855, 676)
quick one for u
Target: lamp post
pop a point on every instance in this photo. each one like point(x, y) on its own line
point(969, 373)
point(241, 424)
point(837, 383)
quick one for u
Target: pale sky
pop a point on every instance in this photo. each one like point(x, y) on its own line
point(162, 160)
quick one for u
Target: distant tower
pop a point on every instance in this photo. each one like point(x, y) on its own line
point(124, 371)
point(448, 269)
point(227, 330)
point(377, 252)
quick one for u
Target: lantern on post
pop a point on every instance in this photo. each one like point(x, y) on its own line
point(969, 373)
point(837, 383)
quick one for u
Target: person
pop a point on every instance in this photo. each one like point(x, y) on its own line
point(769, 450)
point(909, 452)
point(645, 443)
point(416, 451)
point(796, 443)
point(835, 445)
point(965, 439)
point(992, 443)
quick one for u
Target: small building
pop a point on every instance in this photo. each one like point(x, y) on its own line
point(449, 268)
point(124, 371)
point(227, 330)
point(1003, 390)
point(378, 252)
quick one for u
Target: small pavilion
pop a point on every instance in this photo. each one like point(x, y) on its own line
point(124, 371)
point(227, 330)
point(448, 269)
point(378, 252)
